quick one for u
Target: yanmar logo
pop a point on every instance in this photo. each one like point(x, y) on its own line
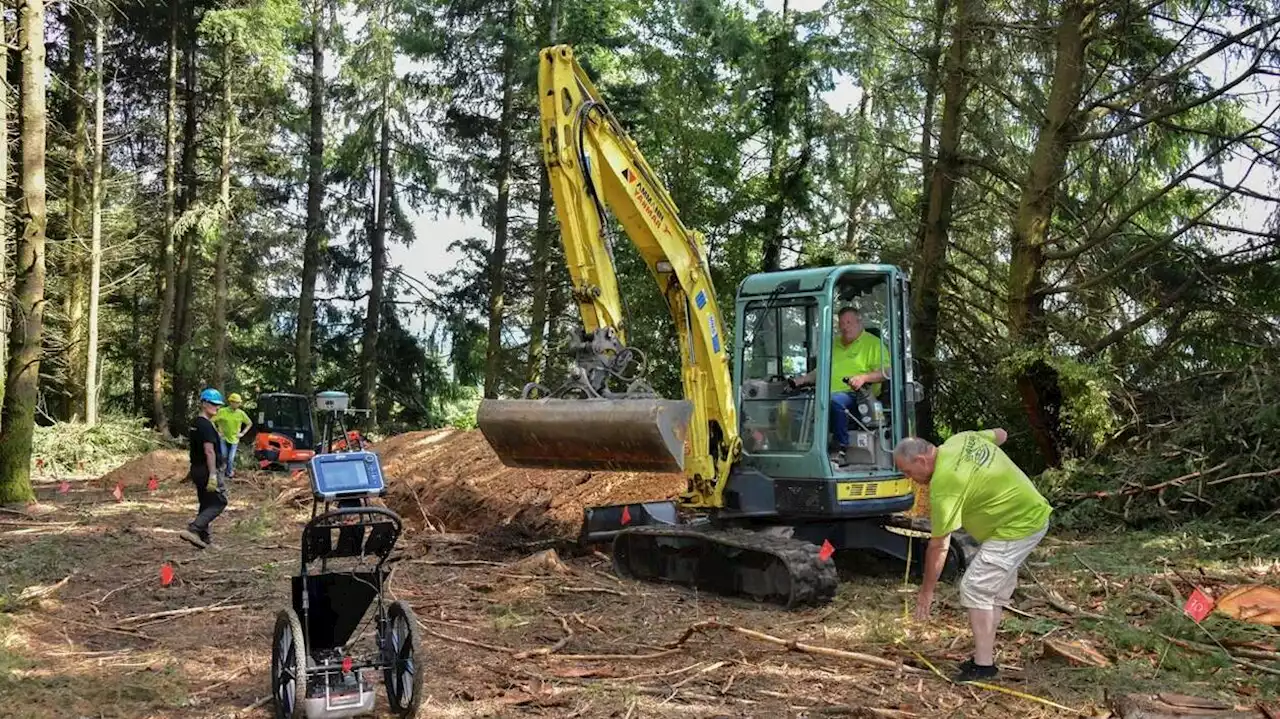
point(641, 193)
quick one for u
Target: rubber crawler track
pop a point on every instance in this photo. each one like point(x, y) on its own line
point(705, 555)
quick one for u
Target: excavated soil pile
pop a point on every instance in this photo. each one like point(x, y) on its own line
point(456, 480)
point(166, 465)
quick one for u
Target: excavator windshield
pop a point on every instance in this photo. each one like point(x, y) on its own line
point(781, 341)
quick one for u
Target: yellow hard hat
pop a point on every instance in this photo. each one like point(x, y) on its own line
point(234, 397)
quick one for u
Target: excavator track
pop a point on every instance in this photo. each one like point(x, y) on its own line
point(730, 562)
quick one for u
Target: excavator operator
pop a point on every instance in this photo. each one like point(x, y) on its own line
point(858, 360)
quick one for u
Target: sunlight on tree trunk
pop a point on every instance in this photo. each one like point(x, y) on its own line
point(74, 265)
point(931, 246)
point(19, 415)
point(223, 232)
point(166, 282)
point(95, 251)
point(1036, 384)
point(184, 301)
point(315, 205)
point(502, 181)
point(5, 106)
point(542, 240)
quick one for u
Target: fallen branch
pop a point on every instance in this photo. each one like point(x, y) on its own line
point(616, 657)
point(455, 563)
point(1206, 649)
point(568, 634)
point(589, 590)
point(1138, 489)
point(853, 711)
point(463, 640)
point(35, 592)
point(125, 632)
point(796, 646)
point(145, 619)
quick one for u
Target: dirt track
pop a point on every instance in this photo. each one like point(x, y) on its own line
point(504, 635)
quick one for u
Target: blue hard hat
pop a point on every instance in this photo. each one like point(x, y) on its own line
point(212, 396)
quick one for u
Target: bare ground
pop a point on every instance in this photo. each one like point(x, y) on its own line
point(506, 633)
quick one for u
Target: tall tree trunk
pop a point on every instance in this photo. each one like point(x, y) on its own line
point(95, 247)
point(315, 206)
point(932, 79)
point(18, 418)
point(779, 129)
point(858, 186)
point(931, 246)
point(4, 200)
point(502, 180)
point(74, 265)
point(368, 392)
point(224, 233)
point(542, 240)
point(557, 304)
point(1037, 384)
point(185, 300)
point(140, 366)
point(166, 281)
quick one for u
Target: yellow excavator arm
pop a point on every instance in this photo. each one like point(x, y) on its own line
point(592, 164)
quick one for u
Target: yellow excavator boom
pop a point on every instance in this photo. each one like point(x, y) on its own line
point(592, 164)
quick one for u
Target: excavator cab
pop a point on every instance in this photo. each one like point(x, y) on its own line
point(789, 325)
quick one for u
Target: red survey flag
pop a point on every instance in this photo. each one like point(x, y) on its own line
point(118, 492)
point(827, 550)
point(1198, 605)
point(152, 484)
point(166, 574)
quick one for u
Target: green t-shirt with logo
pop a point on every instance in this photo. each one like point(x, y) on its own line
point(976, 487)
point(229, 422)
point(863, 355)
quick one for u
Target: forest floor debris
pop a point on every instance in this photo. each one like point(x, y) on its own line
point(503, 636)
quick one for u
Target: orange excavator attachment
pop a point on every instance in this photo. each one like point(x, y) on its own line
point(610, 435)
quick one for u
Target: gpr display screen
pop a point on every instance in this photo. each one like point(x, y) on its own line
point(343, 477)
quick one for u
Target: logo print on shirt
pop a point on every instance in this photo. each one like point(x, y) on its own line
point(978, 452)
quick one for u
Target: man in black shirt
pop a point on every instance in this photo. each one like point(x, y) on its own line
point(205, 454)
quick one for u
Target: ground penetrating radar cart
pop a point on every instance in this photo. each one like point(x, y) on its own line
point(320, 668)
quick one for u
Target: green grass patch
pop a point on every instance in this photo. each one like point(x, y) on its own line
point(44, 560)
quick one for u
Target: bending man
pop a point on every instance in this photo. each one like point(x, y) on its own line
point(858, 359)
point(974, 486)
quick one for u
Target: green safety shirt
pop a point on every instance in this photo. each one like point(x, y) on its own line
point(229, 421)
point(865, 354)
point(976, 487)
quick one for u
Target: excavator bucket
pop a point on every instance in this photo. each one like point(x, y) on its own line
point(645, 435)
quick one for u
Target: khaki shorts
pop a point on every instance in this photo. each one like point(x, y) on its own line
point(993, 575)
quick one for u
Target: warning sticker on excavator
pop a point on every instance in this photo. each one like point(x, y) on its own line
point(715, 335)
point(862, 489)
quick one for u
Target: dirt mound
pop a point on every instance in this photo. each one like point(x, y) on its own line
point(167, 465)
point(456, 480)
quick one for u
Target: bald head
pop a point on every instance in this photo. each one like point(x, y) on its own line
point(915, 458)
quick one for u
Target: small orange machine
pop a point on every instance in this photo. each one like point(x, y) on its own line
point(285, 433)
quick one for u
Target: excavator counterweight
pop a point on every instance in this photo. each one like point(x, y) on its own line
point(607, 435)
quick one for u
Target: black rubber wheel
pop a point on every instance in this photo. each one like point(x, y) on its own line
point(288, 666)
point(403, 675)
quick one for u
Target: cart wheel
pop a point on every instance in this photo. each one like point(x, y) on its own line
point(288, 666)
point(400, 651)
